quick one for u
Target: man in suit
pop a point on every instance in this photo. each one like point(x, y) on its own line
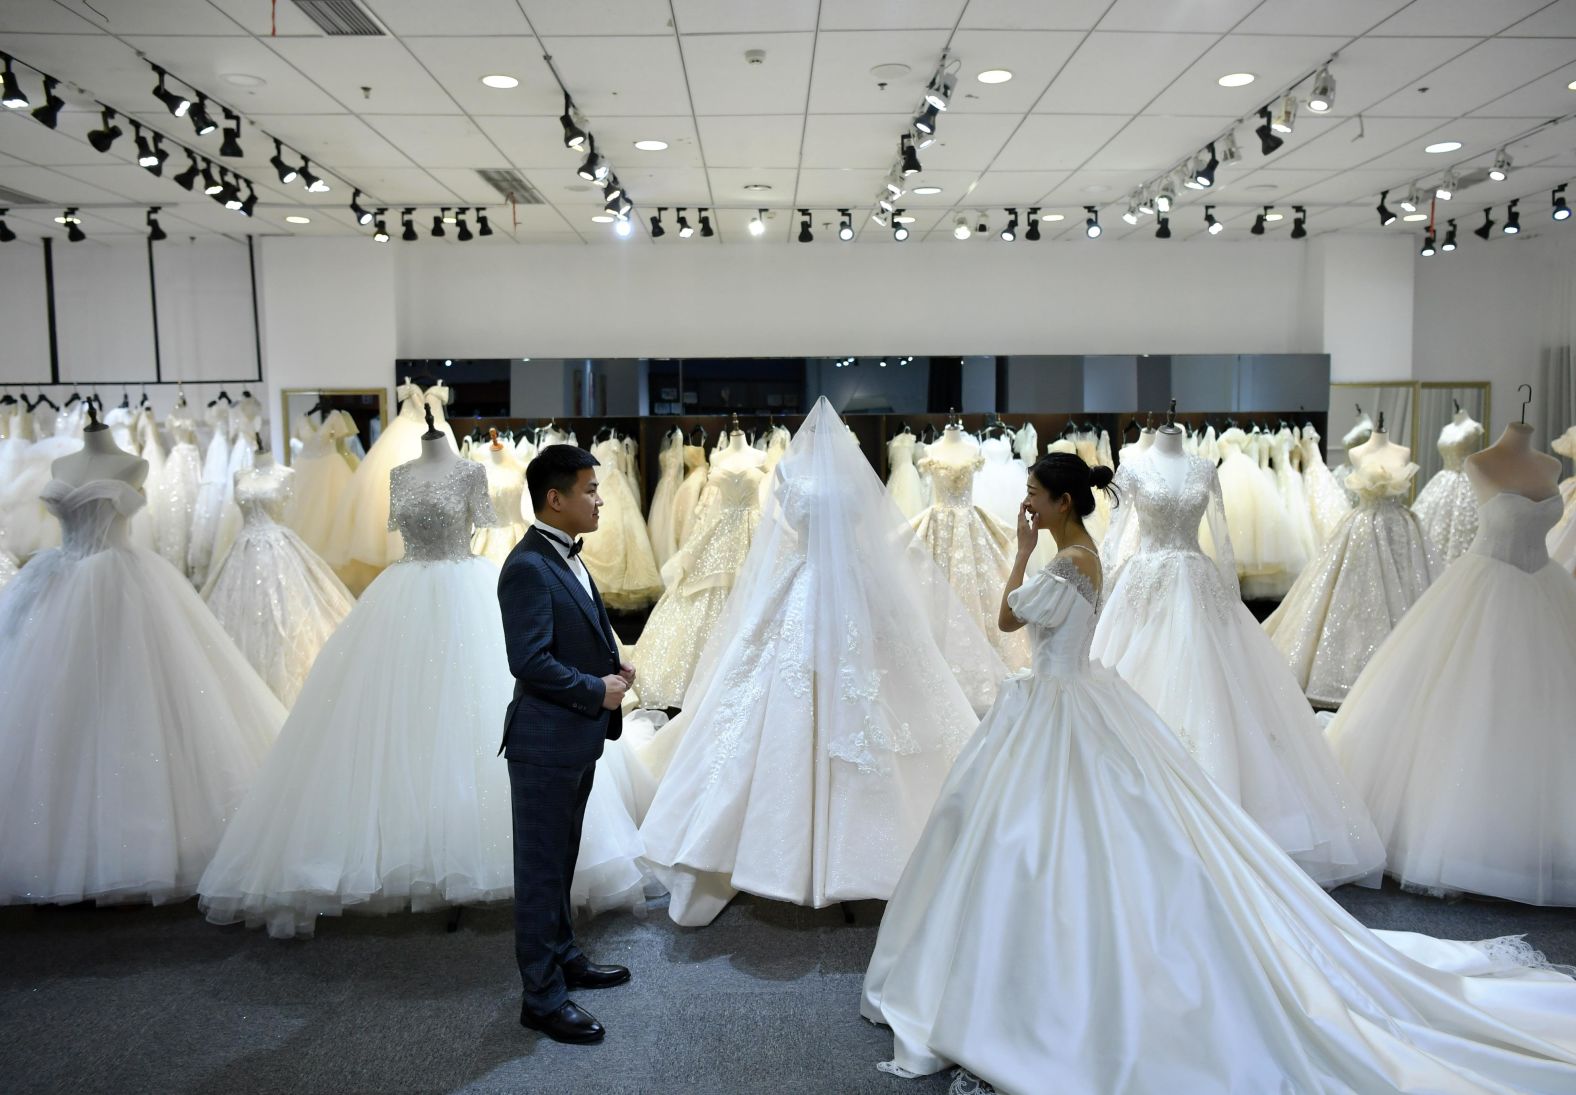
point(569, 682)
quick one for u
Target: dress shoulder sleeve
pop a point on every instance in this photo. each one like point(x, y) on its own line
point(1044, 599)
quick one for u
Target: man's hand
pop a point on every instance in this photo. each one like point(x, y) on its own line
point(627, 671)
point(616, 686)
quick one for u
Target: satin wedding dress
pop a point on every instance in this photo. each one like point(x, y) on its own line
point(385, 790)
point(827, 707)
point(1458, 731)
point(1373, 568)
point(618, 554)
point(973, 548)
point(699, 578)
point(277, 599)
point(1087, 914)
point(903, 481)
point(320, 480)
point(133, 726)
point(1446, 506)
point(1176, 629)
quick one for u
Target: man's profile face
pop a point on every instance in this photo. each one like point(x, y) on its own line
point(578, 510)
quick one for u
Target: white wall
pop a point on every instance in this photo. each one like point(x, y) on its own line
point(1366, 301)
point(25, 354)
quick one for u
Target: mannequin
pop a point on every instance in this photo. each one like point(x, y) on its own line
point(951, 446)
point(1146, 438)
point(1511, 465)
point(100, 458)
point(1360, 432)
point(437, 457)
point(1378, 449)
point(738, 452)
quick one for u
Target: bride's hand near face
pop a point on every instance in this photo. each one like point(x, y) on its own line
point(1028, 535)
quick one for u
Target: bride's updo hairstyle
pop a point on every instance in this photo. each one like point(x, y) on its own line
point(1065, 473)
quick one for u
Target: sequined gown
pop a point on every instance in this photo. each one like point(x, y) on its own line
point(1176, 629)
point(1086, 913)
point(384, 791)
point(1458, 731)
point(1327, 502)
point(278, 600)
point(1373, 568)
point(971, 546)
point(1446, 506)
point(133, 726)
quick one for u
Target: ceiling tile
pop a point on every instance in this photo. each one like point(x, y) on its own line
point(891, 14)
point(1058, 141)
point(838, 187)
point(1546, 97)
point(55, 187)
point(439, 141)
point(458, 64)
point(532, 143)
point(843, 84)
point(970, 142)
point(1371, 70)
point(1350, 17)
point(474, 17)
point(43, 17)
point(722, 82)
point(1020, 188)
point(1216, 16)
point(853, 140)
point(598, 17)
point(1555, 21)
point(344, 66)
point(1033, 58)
point(1484, 73)
point(770, 140)
point(1033, 14)
point(1276, 60)
point(1153, 143)
point(728, 183)
point(1459, 17)
point(621, 75)
point(202, 63)
point(1114, 73)
point(745, 16)
point(1341, 143)
point(334, 140)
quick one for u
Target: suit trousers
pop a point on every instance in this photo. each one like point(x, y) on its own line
point(549, 805)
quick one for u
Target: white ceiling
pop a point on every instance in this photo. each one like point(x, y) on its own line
point(1105, 96)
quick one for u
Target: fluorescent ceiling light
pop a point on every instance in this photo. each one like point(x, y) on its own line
point(604, 218)
point(500, 81)
point(1236, 79)
point(651, 146)
point(994, 76)
point(1274, 216)
point(1443, 146)
point(1052, 217)
point(1415, 217)
point(293, 219)
point(927, 189)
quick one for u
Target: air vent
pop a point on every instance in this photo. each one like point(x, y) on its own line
point(340, 18)
point(9, 197)
point(511, 185)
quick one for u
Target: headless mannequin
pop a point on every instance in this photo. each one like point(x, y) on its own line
point(99, 458)
point(738, 453)
point(1167, 457)
point(437, 458)
point(1511, 465)
point(1378, 450)
point(951, 447)
point(1146, 438)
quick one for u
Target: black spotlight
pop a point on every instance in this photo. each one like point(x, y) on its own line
point(1258, 221)
point(1299, 224)
point(1512, 219)
point(686, 230)
point(1428, 244)
point(595, 168)
point(363, 216)
point(1206, 175)
point(1010, 232)
point(6, 235)
point(188, 178)
point(925, 120)
point(845, 227)
point(1450, 236)
point(1482, 230)
point(73, 225)
point(1269, 140)
point(437, 223)
point(155, 232)
point(574, 136)
point(1561, 211)
point(201, 121)
point(705, 226)
point(409, 235)
point(145, 156)
point(309, 180)
point(49, 112)
point(13, 96)
point(287, 174)
point(1092, 222)
point(910, 157)
point(1032, 233)
point(483, 228)
point(210, 185)
point(174, 102)
point(106, 134)
point(1386, 218)
point(805, 235)
point(657, 231)
point(380, 231)
point(463, 233)
point(231, 145)
point(1163, 230)
point(249, 203)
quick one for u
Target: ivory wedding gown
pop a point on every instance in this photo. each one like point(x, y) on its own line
point(699, 578)
point(133, 726)
point(827, 707)
point(1267, 552)
point(662, 521)
point(1176, 629)
point(1001, 484)
point(174, 500)
point(1373, 568)
point(322, 475)
point(277, 599)
point(506, 490)
point(1446, 506)
point(385, 790)
point(618, 554)
point(1458, 732)
point(1327, 501)
point(1087, 914)
point(903, 481)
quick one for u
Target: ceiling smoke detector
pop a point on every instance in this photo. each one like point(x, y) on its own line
point(755, 56)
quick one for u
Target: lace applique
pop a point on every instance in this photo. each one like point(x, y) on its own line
point(1169, 551)
point(965, 1082)
point(1063, 567)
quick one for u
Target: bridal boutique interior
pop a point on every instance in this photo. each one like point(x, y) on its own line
point(817, 283)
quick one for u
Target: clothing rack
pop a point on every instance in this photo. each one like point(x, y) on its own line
point(1197, 421)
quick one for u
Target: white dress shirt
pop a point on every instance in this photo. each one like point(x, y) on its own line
point(563, 543)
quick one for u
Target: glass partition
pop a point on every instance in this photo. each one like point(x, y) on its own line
point(367, 408)
point(1356, 410)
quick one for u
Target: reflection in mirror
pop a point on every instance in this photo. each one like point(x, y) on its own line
point(308, 408)
point(1355, 410)
point(1437, 406)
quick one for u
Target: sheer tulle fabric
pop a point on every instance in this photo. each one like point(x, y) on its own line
point(1561, 540)
point(506, 489)
point(618, 554)
point(1001, 484)
point(1176, 630)
point(903, 481)
point(1267, 552)
point(1327, 502)
point(826, 708)
point(1458, 732)
point(322, 475)
point(1185, 951)
point(174, 501)
point(133, 726)
point(213, 493)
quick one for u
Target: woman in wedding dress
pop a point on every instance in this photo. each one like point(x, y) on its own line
point(1086, 913)
point(1446, 506)
point(133, 725)
point(1458, 731)
point(322, 474)
point(662, 522)
point(384, 791)
point(903, 482)
point(1176, 629)
point(973, 548)
point(827, 706)
point(1375, 566)
point(278, 600)
point(618, 554)
point(361, 542)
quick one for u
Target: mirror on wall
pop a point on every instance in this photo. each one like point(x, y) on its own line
point(1355, 410)
point(1437, 405)
point(367, 408)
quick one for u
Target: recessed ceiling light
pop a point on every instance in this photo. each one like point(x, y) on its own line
point(1052, 217)
point(298, 220)
point(651, 146)
point(1274, 216)
point(994, 76)
point(1263, 186)
point(1443, 146)
point(500, 81)
point(757, 186)
point(1415, 217)
point(1097, 188)
point(1236, 79)
point(927, 189)
point(603, 218)
point(242, 79)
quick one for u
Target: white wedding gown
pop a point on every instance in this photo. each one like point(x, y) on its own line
point(1176, 629)
point(1086, 914)
point(506, 489)
point(385, 790)
point(662, 518)
point(825, 712)
point(1268, 555)
point(1459, 731)
point(277, 599)
point(903, 481)
point(322, 474)
point(1327, 501)
point(618, 553)
point(1001, 484)
point(1447, 506)
point(133, 726)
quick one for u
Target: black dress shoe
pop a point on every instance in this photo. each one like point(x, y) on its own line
point(568, 1024)
point(589, 975)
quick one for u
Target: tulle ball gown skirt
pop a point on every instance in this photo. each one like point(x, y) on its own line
point(133, 728)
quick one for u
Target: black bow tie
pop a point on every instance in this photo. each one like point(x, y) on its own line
point(574, 548)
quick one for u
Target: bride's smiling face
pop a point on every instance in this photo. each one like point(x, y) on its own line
point(1046, 511)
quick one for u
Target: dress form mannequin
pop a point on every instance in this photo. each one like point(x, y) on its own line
point(1379, 450)
point(1511, 465)
point(100, 458)
point(1146, 438)
point(437, 456)
point(1169, 458)
point(739, 453)
point(952, 446)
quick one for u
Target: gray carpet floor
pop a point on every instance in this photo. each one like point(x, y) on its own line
point(764, 1000)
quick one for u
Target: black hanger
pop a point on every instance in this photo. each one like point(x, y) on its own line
point(1069, 429)
point(125, 399)
point(44, 398)
point(1132, 424)
point(224, 395)
point(73, 397)
point(8, 398)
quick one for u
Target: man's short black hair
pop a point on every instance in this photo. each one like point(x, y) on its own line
point(555, 468)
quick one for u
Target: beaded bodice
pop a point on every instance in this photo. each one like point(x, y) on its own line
point(951, 481)
point(1168, 517)
point(263, 494)
point(434, 516)
point(93, 516)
